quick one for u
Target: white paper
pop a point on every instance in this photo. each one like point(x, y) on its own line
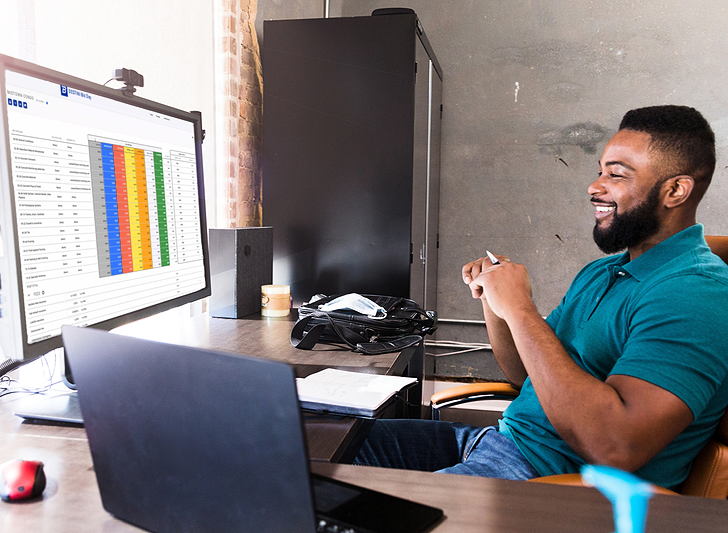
point(349, 389)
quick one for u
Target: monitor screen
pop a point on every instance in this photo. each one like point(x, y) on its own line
point(102, 200)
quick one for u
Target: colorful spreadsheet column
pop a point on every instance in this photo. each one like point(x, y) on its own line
point(122, 199)
point(130, 206)
point(144, 231)
point(153, 208)
point(133, 197)
point(112, 208)
point(99, 202)
point(161, 209)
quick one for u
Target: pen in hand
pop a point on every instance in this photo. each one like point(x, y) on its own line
point(493, 259)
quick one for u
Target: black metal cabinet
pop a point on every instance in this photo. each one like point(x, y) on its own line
point(351, 156)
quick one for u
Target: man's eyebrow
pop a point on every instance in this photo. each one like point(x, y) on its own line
point(620, 163)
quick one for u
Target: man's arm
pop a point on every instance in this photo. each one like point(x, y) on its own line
point(622, 422)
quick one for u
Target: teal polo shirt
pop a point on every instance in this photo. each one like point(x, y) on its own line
point(662, 318)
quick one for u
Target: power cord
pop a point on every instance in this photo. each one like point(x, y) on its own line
point(6, 382)
point(9, 365)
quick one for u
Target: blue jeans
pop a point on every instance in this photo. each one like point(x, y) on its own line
point(439, 446)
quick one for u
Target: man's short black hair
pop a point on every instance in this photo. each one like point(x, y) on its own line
point(684, 140)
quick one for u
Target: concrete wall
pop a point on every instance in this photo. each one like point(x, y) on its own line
point(533, 89)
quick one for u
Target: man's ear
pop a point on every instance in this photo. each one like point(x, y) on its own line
point(678, 189)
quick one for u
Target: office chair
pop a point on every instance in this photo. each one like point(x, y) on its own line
point(708, 475)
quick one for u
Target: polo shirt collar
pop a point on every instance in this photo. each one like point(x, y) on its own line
point(658, 255)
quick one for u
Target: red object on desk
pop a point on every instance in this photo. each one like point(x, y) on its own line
point(21, 480)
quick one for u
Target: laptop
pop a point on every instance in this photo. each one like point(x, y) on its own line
point(184, 439)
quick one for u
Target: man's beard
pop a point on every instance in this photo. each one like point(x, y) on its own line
point(631, 227)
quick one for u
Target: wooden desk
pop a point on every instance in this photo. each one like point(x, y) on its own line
point(259, 337)
point(330, 438)
point(72, 504)
point(496, 505)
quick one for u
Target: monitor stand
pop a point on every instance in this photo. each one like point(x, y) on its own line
point(51, 407)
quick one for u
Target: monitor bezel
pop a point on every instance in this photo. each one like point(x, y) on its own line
point(34, 350)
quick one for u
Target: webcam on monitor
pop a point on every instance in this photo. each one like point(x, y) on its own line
point(131, 78)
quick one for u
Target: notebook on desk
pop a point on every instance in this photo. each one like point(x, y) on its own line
point(184, 439)
point(350, 393)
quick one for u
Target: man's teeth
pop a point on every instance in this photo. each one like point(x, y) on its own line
point(602, 209)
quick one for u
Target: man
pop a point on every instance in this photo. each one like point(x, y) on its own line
point(631, 369)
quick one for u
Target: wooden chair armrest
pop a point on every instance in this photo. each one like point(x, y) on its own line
point(487, 390)
point(576, 481)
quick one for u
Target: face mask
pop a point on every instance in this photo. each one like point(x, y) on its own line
point(355, 302)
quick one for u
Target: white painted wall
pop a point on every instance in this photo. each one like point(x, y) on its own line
point(169, 42)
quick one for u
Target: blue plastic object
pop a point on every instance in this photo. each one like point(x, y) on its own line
point(628, 493)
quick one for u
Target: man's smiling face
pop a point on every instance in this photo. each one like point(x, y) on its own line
point(626, 195)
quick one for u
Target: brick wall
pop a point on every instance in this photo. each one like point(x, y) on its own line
point(239, 114)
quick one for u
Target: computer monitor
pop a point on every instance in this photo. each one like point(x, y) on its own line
point(102, 208)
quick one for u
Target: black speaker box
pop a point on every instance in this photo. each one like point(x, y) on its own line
point(241, 261)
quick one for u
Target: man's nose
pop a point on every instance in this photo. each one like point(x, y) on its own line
point(596, 187)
